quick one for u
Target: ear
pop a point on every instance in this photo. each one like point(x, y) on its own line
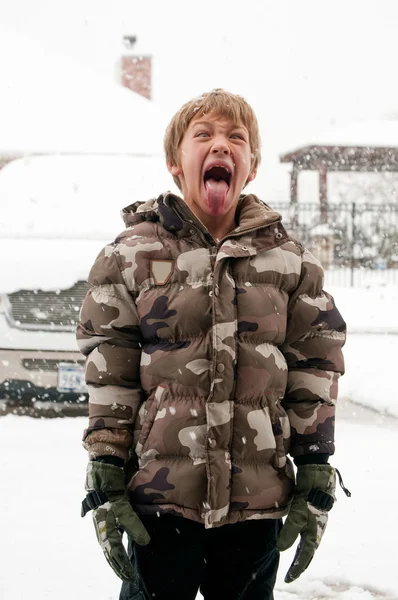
point(174, 170)
point(252, 176)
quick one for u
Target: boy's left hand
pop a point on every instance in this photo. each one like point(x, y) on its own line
point(112, 515)
point(313, 498)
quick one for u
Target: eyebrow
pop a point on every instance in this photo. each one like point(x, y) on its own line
point(209, 123)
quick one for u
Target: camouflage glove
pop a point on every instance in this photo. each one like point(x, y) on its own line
point(112, 515)
point(314, 496)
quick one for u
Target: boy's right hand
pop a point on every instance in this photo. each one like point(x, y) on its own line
point(314, 496)
point(112, 515)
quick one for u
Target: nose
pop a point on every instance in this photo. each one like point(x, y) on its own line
point(220, 145)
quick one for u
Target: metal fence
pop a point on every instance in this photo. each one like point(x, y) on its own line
point(356, 243)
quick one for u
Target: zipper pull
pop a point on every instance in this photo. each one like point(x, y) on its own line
point(341, 482)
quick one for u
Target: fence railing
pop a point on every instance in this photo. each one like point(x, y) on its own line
point(356, 243)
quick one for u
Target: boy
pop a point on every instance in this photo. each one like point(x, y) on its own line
point(212, 353)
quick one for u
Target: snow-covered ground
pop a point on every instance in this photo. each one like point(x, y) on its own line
point(49, 552)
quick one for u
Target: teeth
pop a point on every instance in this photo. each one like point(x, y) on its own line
point(220, 167)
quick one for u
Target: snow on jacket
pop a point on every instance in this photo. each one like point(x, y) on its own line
point(210, 362)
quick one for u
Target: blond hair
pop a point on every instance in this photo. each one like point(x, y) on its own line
point(220, 103)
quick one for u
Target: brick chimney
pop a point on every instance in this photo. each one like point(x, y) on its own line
point(136, 69)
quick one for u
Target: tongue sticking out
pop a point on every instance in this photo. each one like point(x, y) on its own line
point(216, 193)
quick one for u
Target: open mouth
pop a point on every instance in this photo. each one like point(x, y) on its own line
point(217, 179)
point(217, 173)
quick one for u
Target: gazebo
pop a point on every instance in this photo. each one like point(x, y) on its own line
point(375, 149)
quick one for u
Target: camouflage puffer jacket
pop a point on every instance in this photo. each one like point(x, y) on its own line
point(209, 362)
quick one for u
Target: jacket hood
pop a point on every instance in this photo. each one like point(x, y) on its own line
point(173, 213)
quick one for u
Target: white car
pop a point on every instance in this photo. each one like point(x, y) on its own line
point(39, 360)
point(43, 285)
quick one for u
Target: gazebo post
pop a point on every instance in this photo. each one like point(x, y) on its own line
point(323, 193)
point(294, 195)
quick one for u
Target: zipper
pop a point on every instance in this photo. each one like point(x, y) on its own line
point(217, 245)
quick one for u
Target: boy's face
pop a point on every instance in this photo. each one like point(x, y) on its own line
point(215, 164)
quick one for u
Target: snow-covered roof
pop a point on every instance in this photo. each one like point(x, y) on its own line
point(50, 104)
point(365, 146)
point(373, 133)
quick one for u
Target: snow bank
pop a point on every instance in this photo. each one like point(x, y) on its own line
point(371, 368)
point(76, 196)
point(45, 264)
point(372, 346)
point(368, 309)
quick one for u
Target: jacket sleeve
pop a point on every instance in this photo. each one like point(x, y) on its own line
point(315, 336)
point(108, 334)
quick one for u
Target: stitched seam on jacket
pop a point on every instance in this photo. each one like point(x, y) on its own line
point(255, 402)
point(257, 341)
point(176, 397)
point(110, 294)
point(248, 461)
point(151, 286)
point(266, 284)
point(188, 338)
point(320, 294)
point(179, 456)
point(147, 237)
point(192, 338)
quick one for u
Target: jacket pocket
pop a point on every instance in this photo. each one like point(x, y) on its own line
point(147, 416)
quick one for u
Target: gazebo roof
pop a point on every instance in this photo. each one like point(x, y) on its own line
point(360, 146)
point(343, 158)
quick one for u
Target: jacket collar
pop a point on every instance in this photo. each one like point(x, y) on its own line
point(175, 216)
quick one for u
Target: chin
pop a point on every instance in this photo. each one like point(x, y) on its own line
point(213, 213)
point(217, 212)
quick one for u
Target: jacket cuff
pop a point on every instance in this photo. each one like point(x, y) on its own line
point(110, 460)
point(311, 459)
point(108, 442)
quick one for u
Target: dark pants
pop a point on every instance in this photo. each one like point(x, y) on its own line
point(232, 562)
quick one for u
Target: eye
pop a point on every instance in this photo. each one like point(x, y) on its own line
point(238, 136)
point(201, 134)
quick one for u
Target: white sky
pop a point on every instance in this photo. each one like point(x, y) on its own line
point(317, 56)
point(304, 66)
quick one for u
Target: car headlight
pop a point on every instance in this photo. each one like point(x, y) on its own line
point(2, 307)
